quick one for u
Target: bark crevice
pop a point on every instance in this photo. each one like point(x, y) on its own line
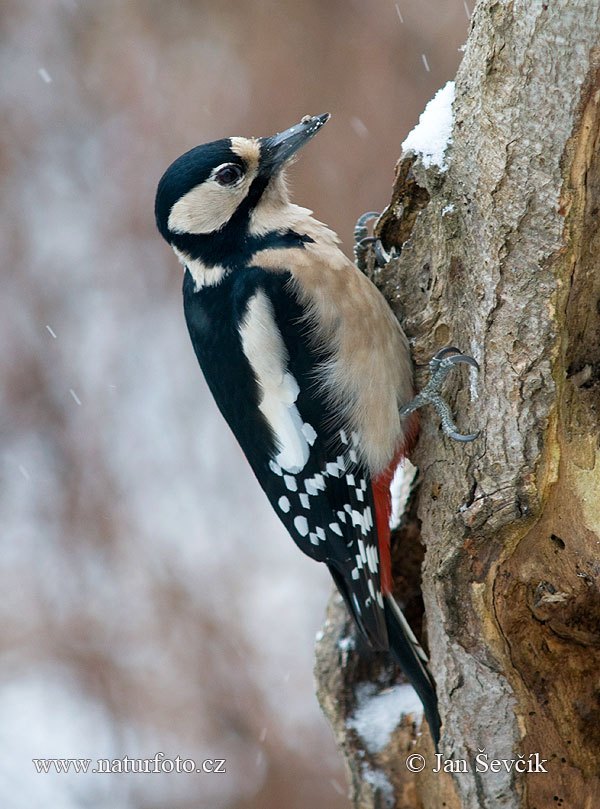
point(500, 256)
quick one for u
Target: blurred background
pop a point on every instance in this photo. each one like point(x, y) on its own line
point(150, 599)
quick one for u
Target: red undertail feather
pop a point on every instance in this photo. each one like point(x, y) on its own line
point(383, 502)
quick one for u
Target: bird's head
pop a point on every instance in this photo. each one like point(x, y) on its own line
point(229, 183)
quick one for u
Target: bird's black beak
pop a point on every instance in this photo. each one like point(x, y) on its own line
point(277, 149)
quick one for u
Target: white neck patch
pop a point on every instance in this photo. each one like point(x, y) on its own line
point(203, 276)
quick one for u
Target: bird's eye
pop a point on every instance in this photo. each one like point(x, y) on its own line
point(229, 174)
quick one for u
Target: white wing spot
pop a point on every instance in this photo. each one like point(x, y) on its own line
point(360, 495)
point(313, 538)
point(357, 519)
point(372, 558)
point(304, 500)
point(363, 552)
point(284, 504)
point(336, 528)
point(290, 482)
point(341, 462)
point(353, 456)
point(321, 534)
point(355, 573)
point(310, 487)
point(274, 467)
point(309, 433)
point(343, 437)
point(341, 516)
point(301, 525)
point(350, 480)
point(333, 470)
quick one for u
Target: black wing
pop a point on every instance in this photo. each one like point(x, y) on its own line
point(319, 489)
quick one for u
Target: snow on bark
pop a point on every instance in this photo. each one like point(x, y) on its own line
point(499, 256)
point(432, 135)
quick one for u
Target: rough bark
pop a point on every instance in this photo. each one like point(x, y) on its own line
point(500, 256)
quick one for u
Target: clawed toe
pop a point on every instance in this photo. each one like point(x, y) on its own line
point(452, 356)
point(360, 228)
point(382, 257)
point(440, 366)
point(360, 252)
point(456, 358)
point(444, 352)
point(362, 241)
point(464, 438)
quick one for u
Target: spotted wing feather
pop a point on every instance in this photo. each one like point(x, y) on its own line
point(314, 477)
point(328, 509)
point(306, 461)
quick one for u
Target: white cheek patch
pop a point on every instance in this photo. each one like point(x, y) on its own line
point(266, 352)
point(206, 208)
point(209, 206)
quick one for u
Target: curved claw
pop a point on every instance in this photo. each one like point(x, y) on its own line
point(360, 250)
point(439, 367)
point(367, 240)
point(366, 216)
point(443, 352)
point(381, 254)
point(456, 358)
point(464, 438)
point(360, 228)
point(361, 240)
point(362, 220)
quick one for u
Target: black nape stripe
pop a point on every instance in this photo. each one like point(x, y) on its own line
point(230, 249)
point(276, 241)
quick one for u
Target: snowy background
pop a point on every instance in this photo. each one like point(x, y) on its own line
point(150, 599)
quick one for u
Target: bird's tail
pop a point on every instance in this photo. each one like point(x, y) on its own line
point(409, 655)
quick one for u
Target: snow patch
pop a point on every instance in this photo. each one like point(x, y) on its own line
point(377, 715)
point(379, 781)
point(432, 135)
point(346, 644)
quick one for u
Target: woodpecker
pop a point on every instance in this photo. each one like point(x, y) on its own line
point(308, 365)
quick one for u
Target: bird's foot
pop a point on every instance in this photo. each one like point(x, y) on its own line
point(439, 367)
point(362, 241)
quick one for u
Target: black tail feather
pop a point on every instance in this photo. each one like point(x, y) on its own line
point(411, 658)
point(404, 649)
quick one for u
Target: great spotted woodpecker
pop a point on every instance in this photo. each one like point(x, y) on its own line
point(307, 364)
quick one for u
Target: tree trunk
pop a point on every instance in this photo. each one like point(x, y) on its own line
point(499, 257)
